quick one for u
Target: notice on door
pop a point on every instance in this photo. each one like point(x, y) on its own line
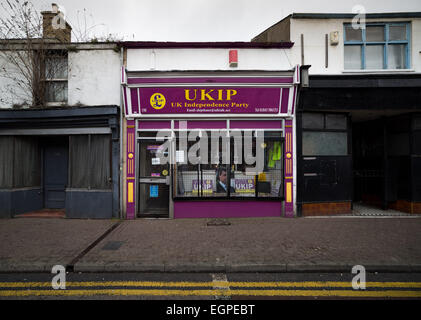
point(153, 191)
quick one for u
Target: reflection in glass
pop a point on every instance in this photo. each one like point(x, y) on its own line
point(396, 56)
point(352, 34)
point(352, 57)
point(374, 57)
point(397, 33)
point(375, 34)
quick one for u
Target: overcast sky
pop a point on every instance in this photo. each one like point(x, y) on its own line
point(202, 20)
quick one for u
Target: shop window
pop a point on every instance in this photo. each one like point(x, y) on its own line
point(244, 156)
point(378, 46)
point(20, 162)
point(324, 143)
point(336, 121)
point(6, 162)
point(269, 181)
point(328, 138)
point(398, 144)
point(201, 164)
point(313, 120)
point(417, 123)
point(90, 161)
point(244, 165)
point(214, 170)
point(416, 145)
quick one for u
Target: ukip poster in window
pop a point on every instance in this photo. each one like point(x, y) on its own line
point(244, 186)
point(207, 186)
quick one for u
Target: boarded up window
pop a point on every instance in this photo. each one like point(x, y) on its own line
point(6, 162)
point(20, 162)
point(90, 162)
point(325, 143)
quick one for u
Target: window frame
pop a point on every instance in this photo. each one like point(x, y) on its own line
point(54, 54)
point(228, 196)
point(324, 129)
point(364, 43)
point(109, 183)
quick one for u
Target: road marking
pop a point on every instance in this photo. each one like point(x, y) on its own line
point(146, 292)
point(220, 282)
point(217, 283)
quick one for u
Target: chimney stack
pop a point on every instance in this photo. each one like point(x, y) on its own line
point(54, 27)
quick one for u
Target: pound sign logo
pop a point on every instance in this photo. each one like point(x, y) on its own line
point(157, 101)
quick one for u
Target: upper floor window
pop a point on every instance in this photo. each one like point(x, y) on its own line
point(56, 69)
point(378, 46)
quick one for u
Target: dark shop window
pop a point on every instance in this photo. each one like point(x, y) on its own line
point(313, 121)
point(324, 134)
point(416, 136)
point(20, 162)
point(90, 161)
point(398, 144)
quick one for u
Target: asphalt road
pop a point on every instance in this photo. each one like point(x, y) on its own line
point(205, 286)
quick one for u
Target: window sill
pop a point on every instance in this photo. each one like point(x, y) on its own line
point(254, 198)
point(381, 71)
point(56, 104)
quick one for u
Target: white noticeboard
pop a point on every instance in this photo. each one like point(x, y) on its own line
point(155, 161)
point(179, 156)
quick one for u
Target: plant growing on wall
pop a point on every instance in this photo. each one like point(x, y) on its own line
point(23, 51)
point(33, 53)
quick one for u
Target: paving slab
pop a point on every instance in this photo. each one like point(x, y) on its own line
point(259, 244)
point(36, 245)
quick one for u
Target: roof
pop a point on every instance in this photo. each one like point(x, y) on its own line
point(202, 45)
point(385, 15)
point(388, 15)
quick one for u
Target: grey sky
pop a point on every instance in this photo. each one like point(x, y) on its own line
point(203, 20)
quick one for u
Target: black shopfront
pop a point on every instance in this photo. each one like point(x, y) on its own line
point(359, 141)
point(65, 159)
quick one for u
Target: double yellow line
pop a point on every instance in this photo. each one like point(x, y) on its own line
point(273, 289)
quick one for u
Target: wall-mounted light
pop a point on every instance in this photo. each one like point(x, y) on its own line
point(305, 82)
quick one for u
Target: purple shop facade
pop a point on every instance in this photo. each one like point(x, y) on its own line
point(209, 101)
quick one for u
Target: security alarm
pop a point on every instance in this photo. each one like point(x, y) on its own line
point(334, 38)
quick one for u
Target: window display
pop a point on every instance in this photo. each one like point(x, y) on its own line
point(247, 164)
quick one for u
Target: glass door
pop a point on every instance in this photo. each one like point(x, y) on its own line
point(154, 178)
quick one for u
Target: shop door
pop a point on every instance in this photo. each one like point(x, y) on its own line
point(55, 174)
point(154, 179)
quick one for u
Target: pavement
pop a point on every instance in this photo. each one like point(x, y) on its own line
point(334, 244)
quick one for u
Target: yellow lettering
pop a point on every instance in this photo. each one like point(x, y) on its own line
point(206, 94)
point(187, 94)
point(231, 93)
point(220, 92)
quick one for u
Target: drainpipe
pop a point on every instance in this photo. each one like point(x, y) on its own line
point(121, 135)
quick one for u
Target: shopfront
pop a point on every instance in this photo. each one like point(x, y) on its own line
point(210, 144)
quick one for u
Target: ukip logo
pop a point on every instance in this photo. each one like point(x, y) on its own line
point(157, 101)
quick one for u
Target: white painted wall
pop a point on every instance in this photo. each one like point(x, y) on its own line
point(314, 31)
point(94, 78)
point(10, 92)
point(206, 59)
